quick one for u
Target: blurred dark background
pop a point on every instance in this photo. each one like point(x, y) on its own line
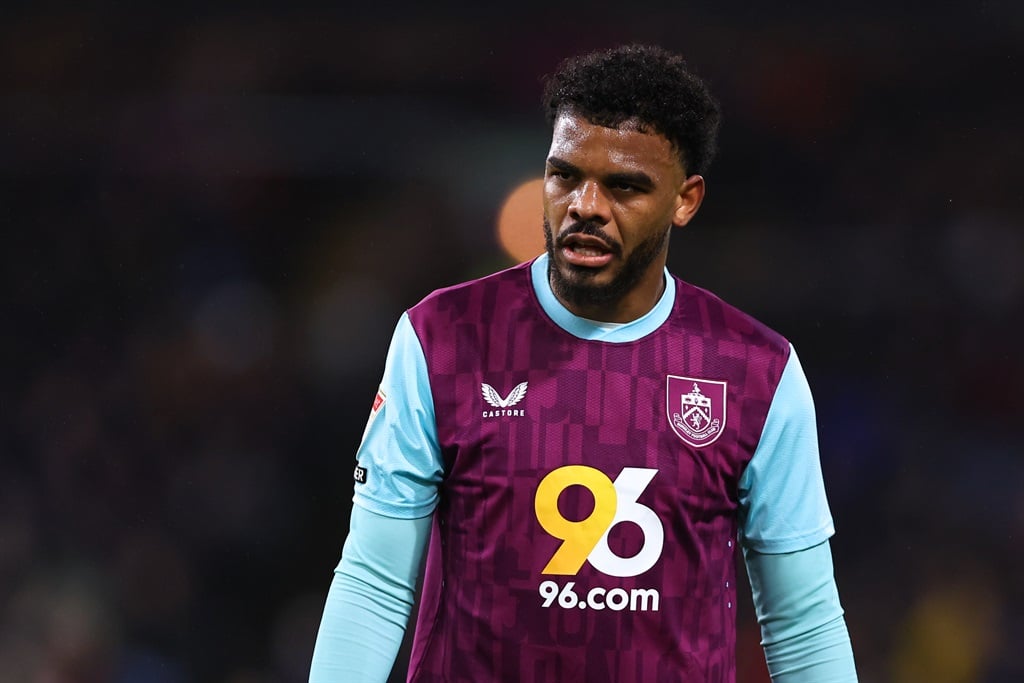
point(213, 217)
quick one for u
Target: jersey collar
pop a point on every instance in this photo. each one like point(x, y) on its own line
point(594, 330)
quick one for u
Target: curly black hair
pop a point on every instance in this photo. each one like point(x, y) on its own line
point(645, 84)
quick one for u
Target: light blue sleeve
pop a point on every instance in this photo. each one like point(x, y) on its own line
point(802, 625)
point(783, 507)
point(399, 459)
point(370, 599)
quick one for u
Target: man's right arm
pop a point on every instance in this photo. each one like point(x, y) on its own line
point(370, 599)
point(397, 477)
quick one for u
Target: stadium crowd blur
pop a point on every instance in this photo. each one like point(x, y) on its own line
point(213, 220)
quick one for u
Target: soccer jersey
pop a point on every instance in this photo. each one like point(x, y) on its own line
point(589, 482)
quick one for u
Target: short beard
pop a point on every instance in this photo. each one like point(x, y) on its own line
point(577, 289)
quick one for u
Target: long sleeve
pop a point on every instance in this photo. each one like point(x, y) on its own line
point(802, 624)
point(370, 599)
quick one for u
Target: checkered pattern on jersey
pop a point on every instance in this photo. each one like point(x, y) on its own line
point(488, 613)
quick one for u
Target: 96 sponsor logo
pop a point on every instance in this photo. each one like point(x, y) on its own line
point(598, 598)
point(586, 540)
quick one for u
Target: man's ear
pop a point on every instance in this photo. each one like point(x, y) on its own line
point(691, 195)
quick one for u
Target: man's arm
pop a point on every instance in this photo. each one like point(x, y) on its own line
point(399, 469)
point(370, 599)
point(785, 524)
point(802, 625)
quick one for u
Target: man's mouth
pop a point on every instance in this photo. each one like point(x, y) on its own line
point(586, 251)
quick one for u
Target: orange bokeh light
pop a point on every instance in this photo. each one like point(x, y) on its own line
point(520, 231)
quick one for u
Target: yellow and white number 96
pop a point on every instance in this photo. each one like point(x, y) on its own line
point(587, 539)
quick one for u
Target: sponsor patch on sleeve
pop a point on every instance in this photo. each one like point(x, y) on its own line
point(360, 474)
point(378, 403)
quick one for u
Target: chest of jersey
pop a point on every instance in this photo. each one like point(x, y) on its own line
point(588, 450)
point(590, 492)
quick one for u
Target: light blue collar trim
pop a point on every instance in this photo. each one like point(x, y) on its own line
point(589, 329)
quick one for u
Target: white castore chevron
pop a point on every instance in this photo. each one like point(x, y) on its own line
point(495, 399)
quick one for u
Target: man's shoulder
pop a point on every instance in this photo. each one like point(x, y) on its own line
point(719, 318)
point(502, 288)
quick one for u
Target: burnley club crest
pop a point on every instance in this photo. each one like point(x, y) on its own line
point(696, 409)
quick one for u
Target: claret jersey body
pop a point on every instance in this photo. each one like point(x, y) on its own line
point(589, 484)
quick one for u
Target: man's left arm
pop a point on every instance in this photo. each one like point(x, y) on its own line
point(802, 625)
point(785, 524)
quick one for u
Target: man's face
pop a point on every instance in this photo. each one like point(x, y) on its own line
point(610, 198)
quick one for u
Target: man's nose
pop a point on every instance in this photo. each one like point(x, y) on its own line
point(589, 203)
